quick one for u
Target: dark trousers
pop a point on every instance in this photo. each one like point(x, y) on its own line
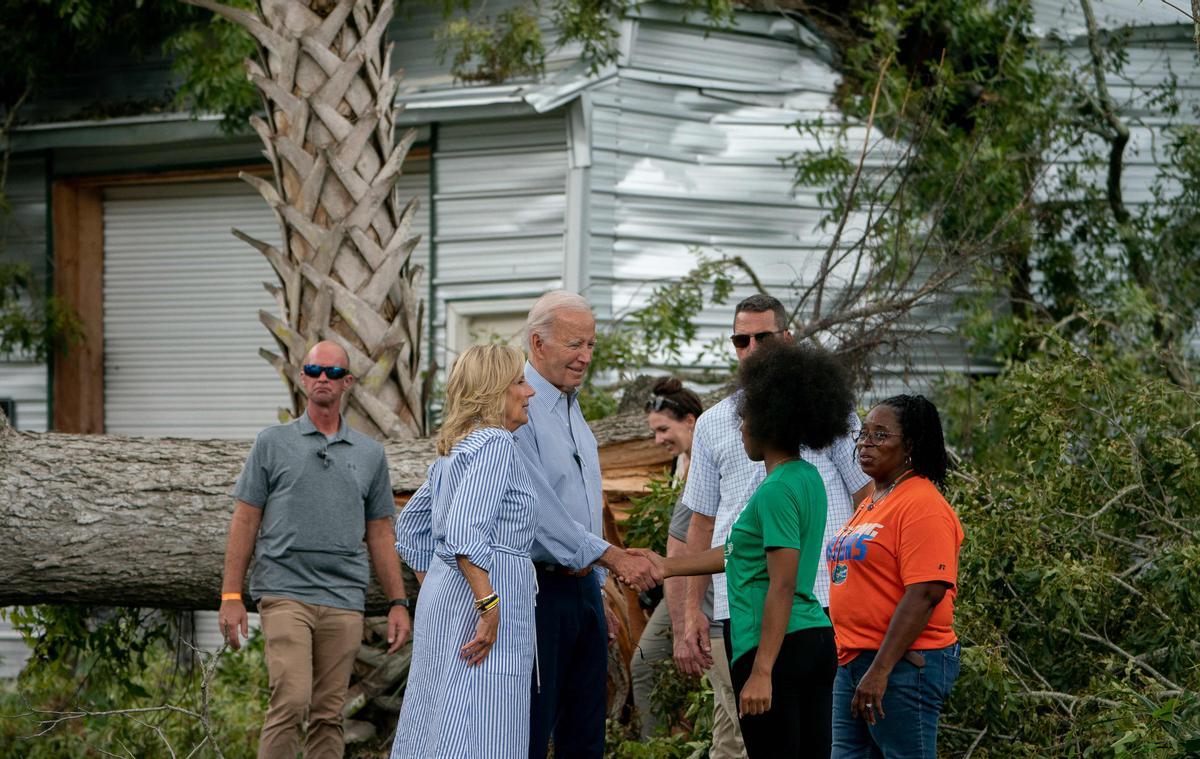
point(799, 722)
point(572, 665)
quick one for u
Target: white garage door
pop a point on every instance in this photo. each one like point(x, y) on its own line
point(181, 302)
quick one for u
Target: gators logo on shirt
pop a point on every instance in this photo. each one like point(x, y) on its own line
point(839, 573)
point(851, 543)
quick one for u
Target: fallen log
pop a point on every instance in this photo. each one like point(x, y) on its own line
point(121, 521)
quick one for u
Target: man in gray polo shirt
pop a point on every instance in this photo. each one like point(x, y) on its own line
point(309, 493)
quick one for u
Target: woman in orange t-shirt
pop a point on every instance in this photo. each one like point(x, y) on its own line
point(893, 574)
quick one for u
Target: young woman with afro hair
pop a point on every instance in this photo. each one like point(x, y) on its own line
point(782, 652)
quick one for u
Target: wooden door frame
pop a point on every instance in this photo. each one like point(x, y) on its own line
point(77, 224)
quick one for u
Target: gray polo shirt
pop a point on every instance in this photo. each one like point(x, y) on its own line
point(317, 494)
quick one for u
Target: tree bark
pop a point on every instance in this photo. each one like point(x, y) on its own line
point(119, 521)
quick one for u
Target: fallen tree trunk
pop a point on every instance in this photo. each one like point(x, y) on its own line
point(117, 521)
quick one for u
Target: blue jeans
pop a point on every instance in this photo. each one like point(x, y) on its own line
point(912, 702)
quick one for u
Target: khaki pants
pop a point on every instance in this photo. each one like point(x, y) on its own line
point(310, 651)
point(727, 735)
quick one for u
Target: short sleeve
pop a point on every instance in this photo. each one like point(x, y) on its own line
point(470, 519)
point(253, 483)
point(702, 493)
point(381, 502)
point(681, 519)
point(779, 516)
point(928, 550)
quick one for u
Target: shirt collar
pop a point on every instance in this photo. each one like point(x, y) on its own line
point(546, 393)
point(307, 427)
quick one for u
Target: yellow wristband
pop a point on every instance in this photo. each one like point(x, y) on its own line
point(231, 596)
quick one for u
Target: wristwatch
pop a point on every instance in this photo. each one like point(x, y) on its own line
point(401, 602)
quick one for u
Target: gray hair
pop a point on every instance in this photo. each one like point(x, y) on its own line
point(541, 316)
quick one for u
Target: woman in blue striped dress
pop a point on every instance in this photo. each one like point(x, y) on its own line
point(473, 640)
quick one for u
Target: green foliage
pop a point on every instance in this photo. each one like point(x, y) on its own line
point(657, 333)
point(209, 54)
point(89, 660)
point(32, 326)
point(53, 35)
point(1001, 167)
point(684, 706)
point(1078, 607)
point(650, 518)
point(493, 50)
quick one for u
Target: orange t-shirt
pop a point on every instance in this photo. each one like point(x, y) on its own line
point(911, 536)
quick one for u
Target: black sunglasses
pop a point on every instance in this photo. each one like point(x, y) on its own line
point(659, 402)
point(743, 341)
point(332, 372)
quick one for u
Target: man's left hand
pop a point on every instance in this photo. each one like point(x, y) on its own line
point(399, 628)
point(613, 625)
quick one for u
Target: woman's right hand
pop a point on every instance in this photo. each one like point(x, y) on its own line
point(485, 637)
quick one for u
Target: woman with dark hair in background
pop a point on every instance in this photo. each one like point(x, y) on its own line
point(671, 413)
point(781, 645)
point(893, 578)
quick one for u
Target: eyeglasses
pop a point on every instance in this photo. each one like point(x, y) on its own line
point(878, 437)
point(332, 372)
point(743, 341)
point(659, 402)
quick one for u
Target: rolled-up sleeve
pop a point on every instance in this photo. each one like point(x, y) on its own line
point(414, 528)
point(470, 517)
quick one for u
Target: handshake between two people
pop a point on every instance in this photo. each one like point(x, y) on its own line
point(639, 568)
point(643, 569)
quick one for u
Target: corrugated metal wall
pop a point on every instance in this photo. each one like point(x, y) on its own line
point(181, 302)
point(686, 148)
point(1158, 48)
point(23, 240)
point(500, 201)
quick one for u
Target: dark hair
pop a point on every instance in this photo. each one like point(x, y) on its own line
point(759, 303)
point(794, 395)
point(677, 400)
point(921, 430)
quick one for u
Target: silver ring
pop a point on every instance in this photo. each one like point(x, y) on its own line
point(870, 706)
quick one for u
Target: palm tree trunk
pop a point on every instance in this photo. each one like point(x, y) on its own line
point(345, 269)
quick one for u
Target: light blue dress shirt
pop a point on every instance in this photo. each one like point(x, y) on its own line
point(561, 458)
point(563, 462)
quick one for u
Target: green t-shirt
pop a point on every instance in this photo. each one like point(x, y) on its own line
point(786, 511)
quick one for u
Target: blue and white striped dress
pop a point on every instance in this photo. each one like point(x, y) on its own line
point(482, 506)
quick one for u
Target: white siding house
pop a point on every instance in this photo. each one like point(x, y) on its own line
point(606, 182)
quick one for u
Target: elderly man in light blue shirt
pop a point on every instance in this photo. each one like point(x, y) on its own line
point(564, 464)
point(560, 454)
